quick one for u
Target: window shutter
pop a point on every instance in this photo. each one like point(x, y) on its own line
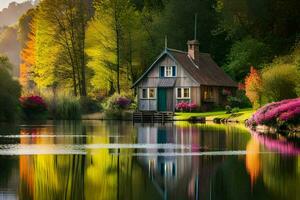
point(162, 71)
point(174, 71)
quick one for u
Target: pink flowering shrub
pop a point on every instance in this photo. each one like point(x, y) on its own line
point(33, 106)
point(283, 146)
point(186, 106)
point(283, 112)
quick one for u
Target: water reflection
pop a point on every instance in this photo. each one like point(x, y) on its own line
point(109, 160)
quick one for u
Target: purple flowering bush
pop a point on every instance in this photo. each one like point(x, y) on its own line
point(186, 106)
point(34, 107)
point(118, 102)
point(286, 112)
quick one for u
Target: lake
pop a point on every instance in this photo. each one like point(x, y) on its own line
point(121, 160)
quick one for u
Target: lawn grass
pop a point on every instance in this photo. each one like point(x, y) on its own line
point(240, 116)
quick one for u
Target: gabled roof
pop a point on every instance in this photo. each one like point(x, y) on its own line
point(204, 70)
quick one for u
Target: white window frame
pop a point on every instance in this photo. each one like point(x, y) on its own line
point(148, 93)
point(142, 92)
point(155, 93)
point(182, 93)
point(169, 69)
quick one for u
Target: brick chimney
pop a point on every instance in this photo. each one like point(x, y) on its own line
point(193, 49)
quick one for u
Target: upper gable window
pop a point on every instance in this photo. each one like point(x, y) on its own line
point(168, 71)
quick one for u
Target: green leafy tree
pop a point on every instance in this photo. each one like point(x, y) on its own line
point(245, 53)
point(10, 92)
point(114, 25)
point(60, 44)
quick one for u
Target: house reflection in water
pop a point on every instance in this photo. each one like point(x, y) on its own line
point(174, 174)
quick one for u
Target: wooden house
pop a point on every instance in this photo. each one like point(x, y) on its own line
point(177, 76)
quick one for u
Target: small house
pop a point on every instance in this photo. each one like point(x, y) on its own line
point(177, 76)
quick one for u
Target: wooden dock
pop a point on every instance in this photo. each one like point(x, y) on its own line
point(152, 117)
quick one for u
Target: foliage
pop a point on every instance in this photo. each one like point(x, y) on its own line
point(118, 102)
point(280, 82)
point(34, 107)
point(9, 47)
point(63, 106)
point(103, 46)
point(274, 22)
point(253, 86)
point(89, 105)
point(59, 47)
point(230, 110)
point(239, 100)
point(10, 92)
point(186, 106)
point(28, 55)
point(277, 114)
point(113, 57)
point(116, 106)
point(235, 110)
point(245, 53)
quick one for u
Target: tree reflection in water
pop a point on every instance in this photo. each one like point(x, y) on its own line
point(150, 172)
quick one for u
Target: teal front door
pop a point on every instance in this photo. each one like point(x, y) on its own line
point(162, 99)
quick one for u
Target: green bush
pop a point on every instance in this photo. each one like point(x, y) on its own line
point(280, 82)
point(239, 100)
point(10, 91)
point(118, 102)
point(235, 110)
point(63, 106)
point(115, 105)
point(89, 105)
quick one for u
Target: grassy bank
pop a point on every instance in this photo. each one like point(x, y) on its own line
point(240, 116)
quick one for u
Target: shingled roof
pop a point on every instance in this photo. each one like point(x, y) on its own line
point(204, 70)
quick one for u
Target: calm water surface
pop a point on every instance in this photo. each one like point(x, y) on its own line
point(111, 160)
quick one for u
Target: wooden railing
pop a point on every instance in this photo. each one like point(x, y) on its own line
point(152, 117)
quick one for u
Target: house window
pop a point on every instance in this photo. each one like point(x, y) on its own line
point(144, 93)
point(208, 94)
point(162, 71)
point(179, 96)
point(148, 93)
point(167, 71)
point(152, 93)
point(183, 93)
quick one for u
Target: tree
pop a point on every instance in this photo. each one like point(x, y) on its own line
point(271, 21)
point(246, 53)
point(61, 27)
point(115, 37)
point(253, 86)
point(28, 57)
point(10, 92)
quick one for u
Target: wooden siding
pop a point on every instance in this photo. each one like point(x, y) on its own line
point(196, 95)
point(183, 79)
point(148, 104)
